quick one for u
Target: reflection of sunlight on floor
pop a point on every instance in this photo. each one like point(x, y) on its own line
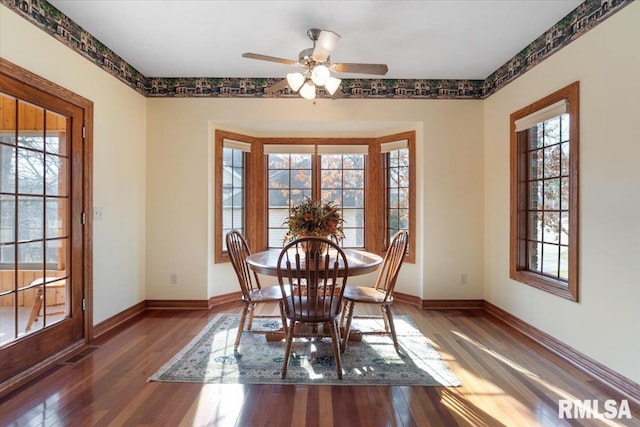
point(486, 387)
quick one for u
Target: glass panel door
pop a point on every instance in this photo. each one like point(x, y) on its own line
point(34, 219)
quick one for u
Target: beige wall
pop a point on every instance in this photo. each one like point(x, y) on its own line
point(180, 184)
point(119, 158)
point(604, 323)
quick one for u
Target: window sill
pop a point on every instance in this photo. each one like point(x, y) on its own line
point(547, 284)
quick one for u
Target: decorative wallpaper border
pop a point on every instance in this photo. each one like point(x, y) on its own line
point(577, 23)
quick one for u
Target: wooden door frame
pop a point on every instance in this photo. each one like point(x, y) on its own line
point(9, 72)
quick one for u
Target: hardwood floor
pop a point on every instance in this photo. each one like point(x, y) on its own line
point(507, 381)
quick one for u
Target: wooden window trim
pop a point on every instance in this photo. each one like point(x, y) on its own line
point(410, 136)
point(517, 262)
point(255, 223)
point(251, 193)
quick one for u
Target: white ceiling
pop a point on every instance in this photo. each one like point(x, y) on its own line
point(429, 39)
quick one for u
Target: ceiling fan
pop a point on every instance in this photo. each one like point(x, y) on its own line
point(317, 66)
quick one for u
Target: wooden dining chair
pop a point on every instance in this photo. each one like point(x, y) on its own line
point(252, 291)
point(382, 293)
point(320, 267)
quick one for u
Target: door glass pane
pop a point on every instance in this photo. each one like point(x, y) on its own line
point(30, 171)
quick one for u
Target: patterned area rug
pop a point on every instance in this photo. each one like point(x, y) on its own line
point(209, 357)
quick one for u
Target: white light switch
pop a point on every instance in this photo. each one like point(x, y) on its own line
point(97, 213)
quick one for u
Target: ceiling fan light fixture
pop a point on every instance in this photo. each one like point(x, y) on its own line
point(295, 80)
point(332, 85)
point(320, 75)
point(308, 90)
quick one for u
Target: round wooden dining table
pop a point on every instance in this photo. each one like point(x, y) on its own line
point(359, 262)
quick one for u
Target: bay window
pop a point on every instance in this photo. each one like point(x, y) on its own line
point(370, 185)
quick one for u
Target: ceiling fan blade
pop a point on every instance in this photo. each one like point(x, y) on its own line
point(269, 58)
point(276, 87)
point(345, 67)
point(337, 94)
point(327, 41)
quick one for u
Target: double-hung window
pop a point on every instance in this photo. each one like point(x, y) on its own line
point(544, 194)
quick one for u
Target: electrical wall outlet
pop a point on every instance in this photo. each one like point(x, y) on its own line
point(173, 278)
point(463, 278)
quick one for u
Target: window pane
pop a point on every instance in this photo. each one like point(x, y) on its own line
point(535, 137)
point(564, 159)
point(278, 178)
point(552, 131)
point(8, 173)
point(535, 195)
point(56, 170)
point(354, 178)
point(353, 199)
point(564, 122)
point(536, 164)
point(30, 171)
point(535, 226)
point(552, 194)
point(353, 237)
point(552, 161)
point(564, 230)
point(403, 219)
point(403, 197)
point(564, 263)
point(331, 161)
point(535, 256)
point(301, 161)
point(7, 220)
point(55, 216)
point(550, 263)
point(31, 253)
point(55, 134)
point(300, 178)
point(564, 194)
point(551, 227)
point(30, 217)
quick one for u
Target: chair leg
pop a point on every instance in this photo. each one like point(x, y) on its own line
point(285, 327)
point(389, 315)
point(243, 317)
point(35, 310)
point(345, 306)
point(335, 341)
point(384, 318)
point(287, 349)
point(347, 329)
point(251, 309)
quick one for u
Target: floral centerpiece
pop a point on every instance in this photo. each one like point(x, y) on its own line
point(313, 218)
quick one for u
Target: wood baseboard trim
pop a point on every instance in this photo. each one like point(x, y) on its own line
point(224, 299)
point(119, 320)
point(602, 374)
point(452, 304)
point(408, 299)
point(179, 304)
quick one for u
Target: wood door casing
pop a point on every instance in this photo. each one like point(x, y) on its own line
point(23, 357)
